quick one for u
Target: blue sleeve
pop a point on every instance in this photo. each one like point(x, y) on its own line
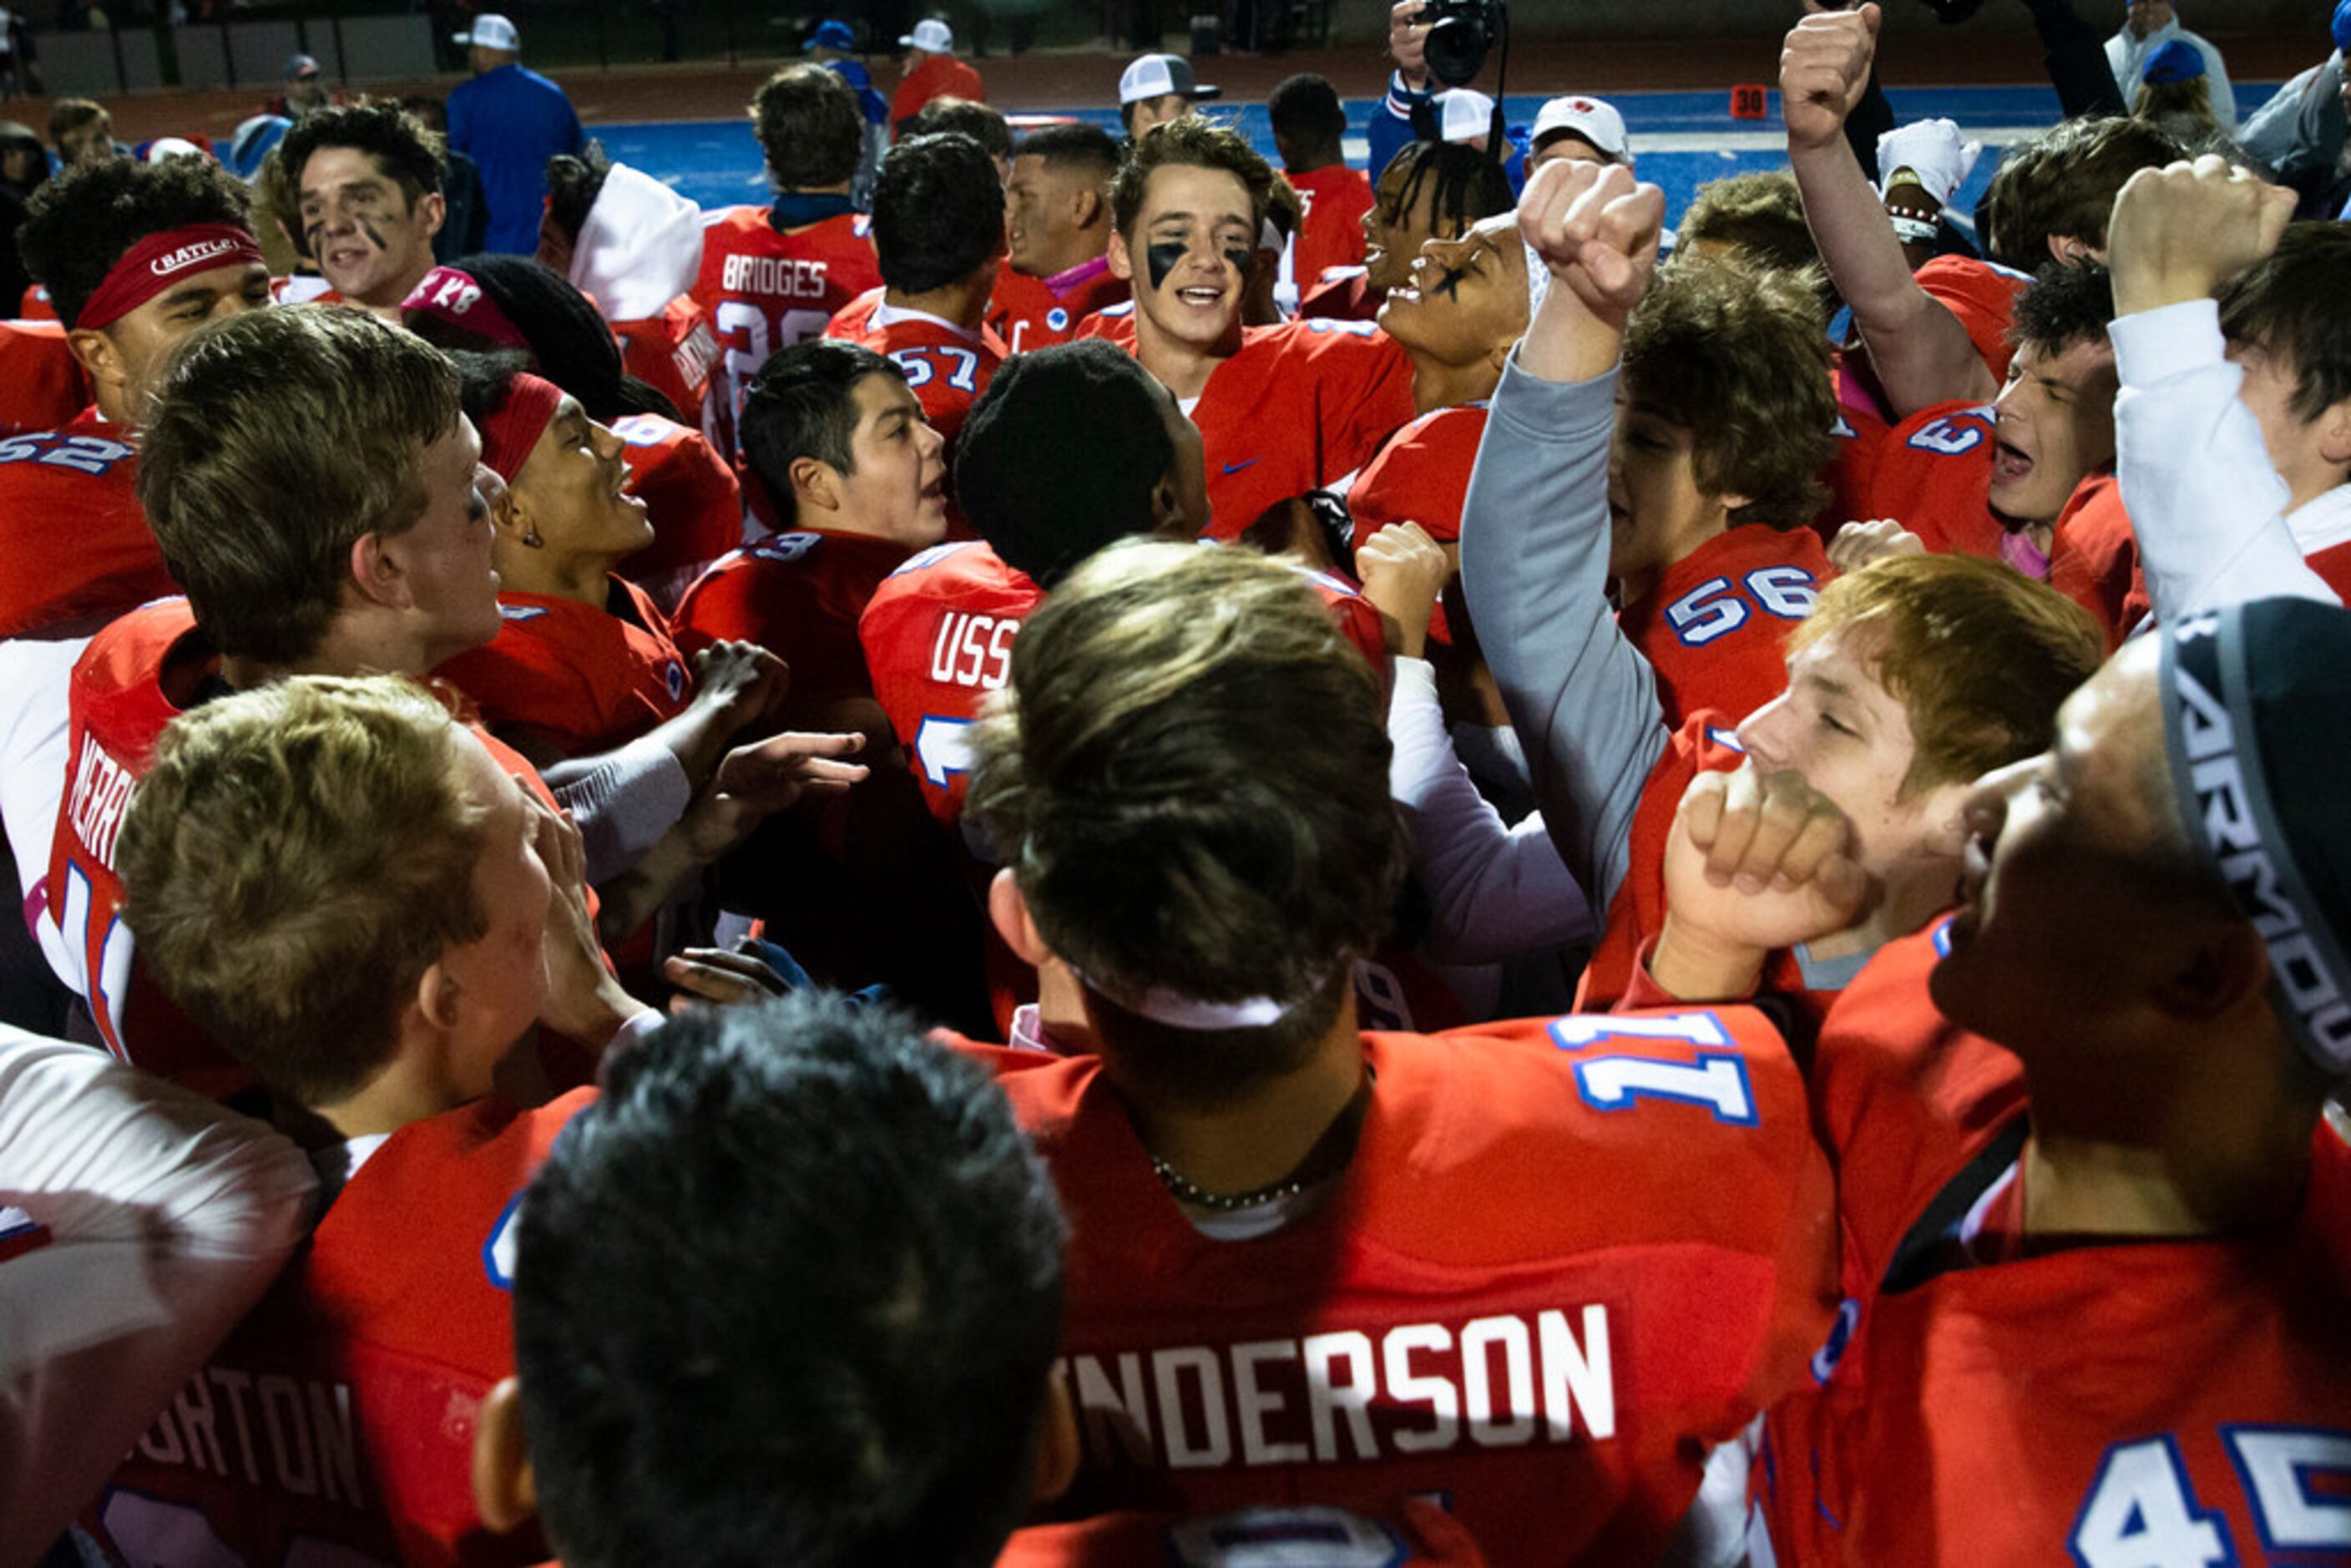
point(1534, 565)
point(1390, 127)
point(461, 121)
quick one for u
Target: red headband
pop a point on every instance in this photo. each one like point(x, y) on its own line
point(162, 260)
point(513, 427)
point(448, 295)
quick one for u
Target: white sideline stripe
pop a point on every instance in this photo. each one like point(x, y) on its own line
point(1359, 148)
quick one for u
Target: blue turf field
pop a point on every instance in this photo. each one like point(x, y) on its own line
point(1681, 138)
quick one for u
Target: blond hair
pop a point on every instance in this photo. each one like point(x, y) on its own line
point(293, 861)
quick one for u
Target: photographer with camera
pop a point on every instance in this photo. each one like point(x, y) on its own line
point(1436, 44)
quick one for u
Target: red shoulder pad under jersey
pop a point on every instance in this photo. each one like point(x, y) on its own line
point(938, 637)
point(1410, 1532)
point(2134, 1402)
point(76, 543)
point(1030, 313)
point(1707, 741)
point(1341, 294)
point(690, 493)
point(1114, 323)
point(587, 679)
point(1714, 629)
point(1933, 475)
point(1438, 1325)
point(798, 595)
point(1420, 476)
point(41, 384)
point(1982, 295)
point(2094, 556)
point(766, 291)
point(1335, 199)
point(946, 368)
point(140, 671)
point(337, 1422)
point(1298, 406)
point(672, 353)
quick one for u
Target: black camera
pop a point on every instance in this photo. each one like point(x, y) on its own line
point(1461, 33)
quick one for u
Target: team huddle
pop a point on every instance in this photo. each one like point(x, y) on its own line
point(1072, 850)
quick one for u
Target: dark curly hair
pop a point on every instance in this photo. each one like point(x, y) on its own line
point(77, 227)
point(402, 145)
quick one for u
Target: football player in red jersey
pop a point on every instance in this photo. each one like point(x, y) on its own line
point(367, 184)
point(377, 557)
point(1282, 409)
point(1430, 190)
point(495, 303)
point(1880, 713)
point(773, 275)
point(1308, 128)
point(1057, 271)
point(1078, 447)
point(136, 256)
point(1274, 1241)
point(938, 229)
point(2094, 1195)
point(633, 245)
point(41, 384)
point(338, 879)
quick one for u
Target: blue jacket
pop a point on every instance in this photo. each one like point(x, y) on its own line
point(510, 121)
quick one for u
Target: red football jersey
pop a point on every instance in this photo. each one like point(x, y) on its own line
point(1705, 741)
point(337, 1424)
point(2152, 1402)
point(947, 368)
point(76, 544)
point(1860, 439)
point(586, 679)
point(1420, 476)
point(798, 595)
point(764, 291)
point(672, 353)
point(1933, 475)
point(941, 76)
point(1037, 312)
point(140, 673)
point(1982, 295)
point(938, 637)
point(2094, 557)
point(1453, 1319)
point(1335, 199)
point(1715, 627)
point(1411, 1531)
point(1298, 406)
point(41, 384)
point(1341, 294)
point(690, 493)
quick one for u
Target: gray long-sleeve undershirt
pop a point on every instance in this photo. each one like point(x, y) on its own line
point(1534, 564)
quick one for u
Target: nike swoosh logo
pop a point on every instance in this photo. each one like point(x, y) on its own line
point(1232, 469)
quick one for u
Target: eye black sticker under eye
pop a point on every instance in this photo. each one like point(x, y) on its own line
point(374, 235)
point(1162, 255)
point(1240, 258)
point(1450, 284)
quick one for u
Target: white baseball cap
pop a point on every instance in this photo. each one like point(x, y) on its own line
point(1156, 76)
point(491, 31)
point(1593, 119)
point(1464, 114)
point(930, 36)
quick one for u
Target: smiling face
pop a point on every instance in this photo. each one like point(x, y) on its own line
point(371, 241)
point(1467, 298)
point(2057, 428)
point(569, 491)
point(896, 485)
point(1850, 738)
point(1193, 243)
point(1394, 230)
